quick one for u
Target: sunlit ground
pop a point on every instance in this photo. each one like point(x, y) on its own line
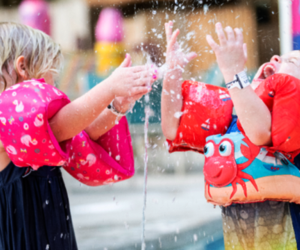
point(177, 214)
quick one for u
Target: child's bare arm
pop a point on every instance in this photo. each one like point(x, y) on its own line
point(171, 100)
point(4, 159)
point(79, 114)
point(253, 114)
point(106, 120)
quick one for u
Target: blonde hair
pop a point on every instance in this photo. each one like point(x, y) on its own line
point(41, 53)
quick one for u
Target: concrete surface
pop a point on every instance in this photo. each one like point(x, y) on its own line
point(177, 214)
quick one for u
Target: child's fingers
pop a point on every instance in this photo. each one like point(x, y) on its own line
point(221, 35)
point(245, 51)
point(149, 70)
point(167, 32)
point(212, 43)
point(168, 29)
point(130, 64)
point(143, 74)
point(140, 91)
point(126, 62)
point(153, 71)
point(230, 34)
point(145, 80)
point(173, 38)
point(139, 69)
point(190, 56)
point(239, 36)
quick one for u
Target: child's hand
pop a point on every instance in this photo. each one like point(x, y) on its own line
point(132, 81)
point(231, 53)
point(175, 57)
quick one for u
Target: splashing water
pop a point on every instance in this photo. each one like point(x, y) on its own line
point(161, 71)
point(160, 74)
point(147, 114)
point(146, 125)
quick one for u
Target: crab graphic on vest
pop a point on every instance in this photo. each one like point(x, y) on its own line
point(237, 171)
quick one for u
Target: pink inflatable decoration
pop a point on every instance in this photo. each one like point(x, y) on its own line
point(25, 132)
point(296, 17)
point(35, 13)
point(109, 26)
point(108, 160)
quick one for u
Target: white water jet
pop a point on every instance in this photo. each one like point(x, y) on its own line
point(147, 114)
point(160, 74)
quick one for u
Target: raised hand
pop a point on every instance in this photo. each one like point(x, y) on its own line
point(171, 98)
point(132, 81)
point(231, 53)
point(147, 74)
point(252, 112)
point(175, 57)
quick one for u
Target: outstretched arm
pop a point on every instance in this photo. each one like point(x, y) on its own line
point(106, 120)
point(253, 114)
point(79, 114)
point(171, 99)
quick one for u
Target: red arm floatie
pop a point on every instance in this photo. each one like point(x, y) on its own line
point(206, 111)
point(281, 94)
point(108, 160)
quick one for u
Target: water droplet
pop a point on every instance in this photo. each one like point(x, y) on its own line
point(205, 8)
point(195, 237)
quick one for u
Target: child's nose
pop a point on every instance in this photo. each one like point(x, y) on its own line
point(276, 58)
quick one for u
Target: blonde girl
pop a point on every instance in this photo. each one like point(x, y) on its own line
point(34, 209)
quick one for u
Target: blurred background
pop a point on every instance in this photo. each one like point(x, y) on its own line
point(94, 36)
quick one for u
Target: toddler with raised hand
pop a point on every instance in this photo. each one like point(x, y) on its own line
point(41, 129)
point(236, 170)
point(267, 110)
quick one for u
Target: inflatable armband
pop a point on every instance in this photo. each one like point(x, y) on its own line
point(108, 160)
point(281, 94)
point(25, 109)
point(237, 171)
point(206, 111)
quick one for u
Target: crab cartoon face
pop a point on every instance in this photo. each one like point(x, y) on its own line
point(220, 168)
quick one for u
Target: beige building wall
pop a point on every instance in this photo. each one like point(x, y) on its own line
point(237, 16)
point(148, 28)
point(70, 22)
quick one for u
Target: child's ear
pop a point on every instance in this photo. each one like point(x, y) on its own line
point(21, 68)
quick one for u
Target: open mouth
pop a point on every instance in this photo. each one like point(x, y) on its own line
point(268, 69)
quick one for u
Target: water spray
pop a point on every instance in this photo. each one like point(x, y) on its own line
point(160, 74)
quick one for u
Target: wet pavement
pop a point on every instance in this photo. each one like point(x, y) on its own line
point(177, 214)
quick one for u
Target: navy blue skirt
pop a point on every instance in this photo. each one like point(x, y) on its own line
point(34, 210)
